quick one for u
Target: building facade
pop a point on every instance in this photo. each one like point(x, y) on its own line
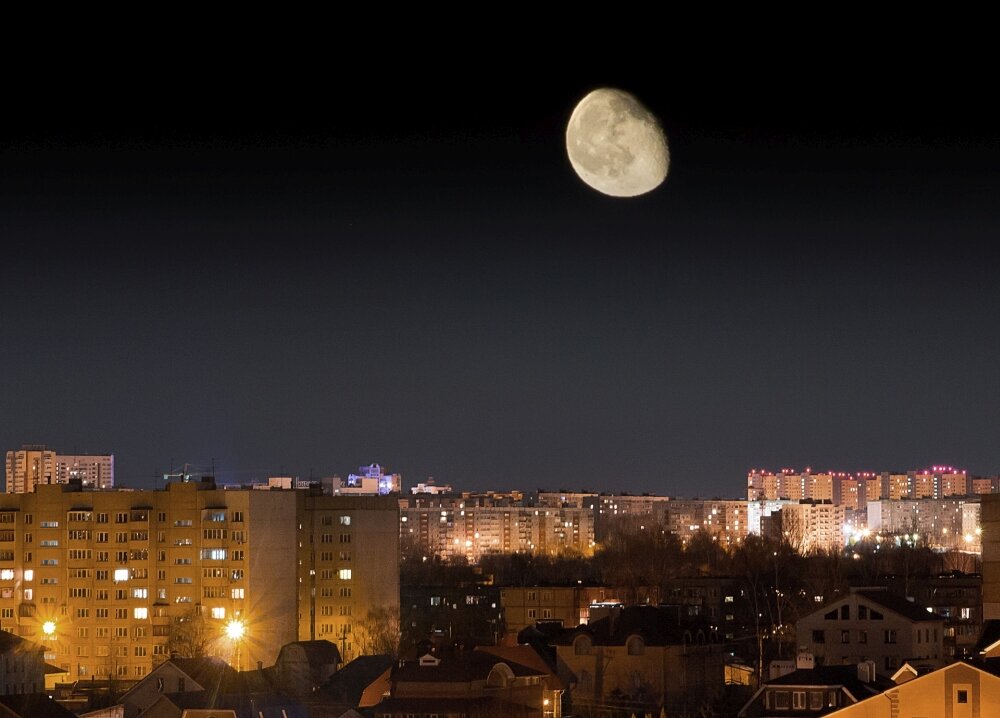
point(871, 625)
point(459, 526)
point(109, 581)
point(35, 464)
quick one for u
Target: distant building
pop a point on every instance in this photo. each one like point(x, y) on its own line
point(370, 480)
point(449, 526)
point(569, 606)
point(431, 488)
point(807, 526)
point(35, 464)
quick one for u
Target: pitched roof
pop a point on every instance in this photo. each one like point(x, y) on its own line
point(10, 642)
point(464, 668)
point(318, 653)
point(526, 656)
point(846, 676)
point(34, 705)
point(349, 683)
point(989, 636)
point(900, 605)
point(657, 625)
point(209, 673)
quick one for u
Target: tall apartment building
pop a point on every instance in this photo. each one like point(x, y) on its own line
point(35, 464)
point(944, 522)
point(724, 519)
point(100, 577)
point(808, 525)
point(453, 526)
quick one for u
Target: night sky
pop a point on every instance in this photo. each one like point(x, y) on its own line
point(301, 267)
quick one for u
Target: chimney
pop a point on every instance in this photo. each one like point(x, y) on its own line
point(866, 671)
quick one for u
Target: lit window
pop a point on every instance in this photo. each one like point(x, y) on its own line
point(121, 574)
point(218, 612)
point(141, 613)
point(345, 574)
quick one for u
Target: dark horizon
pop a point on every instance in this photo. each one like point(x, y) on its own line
point(409, 273)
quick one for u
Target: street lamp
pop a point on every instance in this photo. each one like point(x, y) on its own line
point(49, 628)
point(235, 630)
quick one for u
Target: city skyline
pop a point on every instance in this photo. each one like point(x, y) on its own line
point(284, 276)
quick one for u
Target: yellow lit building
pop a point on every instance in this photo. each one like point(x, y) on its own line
point(101, 578)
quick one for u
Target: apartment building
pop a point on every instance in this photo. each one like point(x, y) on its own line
point(456, 526)
point(36, 464)
point(102, 579)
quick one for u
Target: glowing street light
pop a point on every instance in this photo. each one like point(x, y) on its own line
point(235, 630)
point(49, 628)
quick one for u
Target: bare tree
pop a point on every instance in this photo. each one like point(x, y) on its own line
point(378, 632)
point(189, 636)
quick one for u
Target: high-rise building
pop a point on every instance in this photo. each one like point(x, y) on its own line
point(109, 581)
point(35, 464)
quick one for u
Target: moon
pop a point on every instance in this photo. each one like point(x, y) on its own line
point(616, 145)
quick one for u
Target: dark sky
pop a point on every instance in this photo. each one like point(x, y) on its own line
point(299, 265)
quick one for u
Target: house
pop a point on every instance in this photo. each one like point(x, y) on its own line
point(959, 690)
point(177, 675)
point(470, 684)
point(35, 705)
point(872, 624)
point(22, 665)
point(640, 658)
point(809, 691)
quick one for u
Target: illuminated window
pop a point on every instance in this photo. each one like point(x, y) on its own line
point(141, 613)
point(121, 574)
point(218, 612)
point(345, 574)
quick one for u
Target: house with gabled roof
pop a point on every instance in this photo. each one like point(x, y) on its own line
point(959, 690)
point(811, 691)
point(641, 659)
point(872, 624)
point(470, 684)
point(179, 675)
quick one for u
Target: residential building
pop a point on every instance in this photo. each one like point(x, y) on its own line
point(524, 606)
point(872, 624)
point(473, 526)
point(108, 581)
point(22, 665)
point(370, 479)
point(36, 464)
point(471, 683)
point(943, 522)
point(808, 526)
point(959, 690)
point(810, 691)
point(726, 520)
point(641, 659)
point(991, 556)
